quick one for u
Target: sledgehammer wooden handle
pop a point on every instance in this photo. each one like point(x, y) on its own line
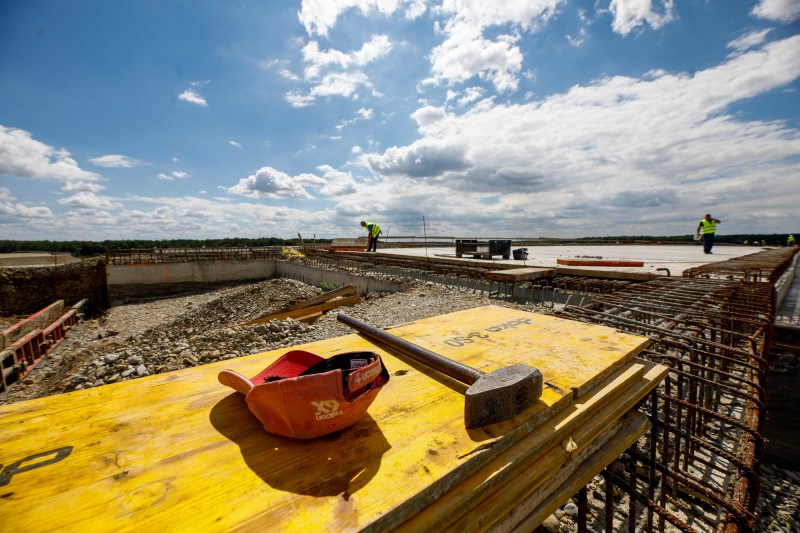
point(454, 369)
point(492, 397)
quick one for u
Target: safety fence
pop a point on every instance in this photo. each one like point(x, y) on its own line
point(698, 468)
point(765, 266)
point(148, 256)
point(21, 356)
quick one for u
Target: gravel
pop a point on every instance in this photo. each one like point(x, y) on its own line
point(148, 337)
point(140, 339)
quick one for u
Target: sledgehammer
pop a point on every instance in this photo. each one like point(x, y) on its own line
point(492, 397)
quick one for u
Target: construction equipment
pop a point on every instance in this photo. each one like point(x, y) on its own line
point(492, 397)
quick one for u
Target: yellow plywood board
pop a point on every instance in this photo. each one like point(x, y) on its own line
point(179, 451)
point(508, 479)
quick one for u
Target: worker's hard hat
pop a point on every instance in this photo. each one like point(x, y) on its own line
point(303, 395)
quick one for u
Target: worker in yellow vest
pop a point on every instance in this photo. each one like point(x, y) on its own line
point(790, 241)
point(708, 228)
point(373, 230)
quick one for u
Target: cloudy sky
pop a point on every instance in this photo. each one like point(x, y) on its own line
point(564, 118)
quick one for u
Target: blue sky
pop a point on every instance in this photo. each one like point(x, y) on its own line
point(155, 119)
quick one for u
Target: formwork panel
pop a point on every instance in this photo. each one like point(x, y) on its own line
point(181, 452)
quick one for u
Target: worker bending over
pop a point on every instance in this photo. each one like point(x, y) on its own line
point(373, 230)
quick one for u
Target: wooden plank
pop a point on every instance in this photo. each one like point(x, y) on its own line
point(179, 451)
point(305, 311)
point(310, 318)
point(573, 476)
point(514, 474)
point(517, 275)
point(324, 297)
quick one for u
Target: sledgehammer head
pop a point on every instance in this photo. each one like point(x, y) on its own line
point(502, 395)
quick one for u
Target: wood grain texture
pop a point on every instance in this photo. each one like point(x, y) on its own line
point(181, 452)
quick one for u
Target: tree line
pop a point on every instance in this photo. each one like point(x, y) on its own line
point(769, 239)
point(94, 248)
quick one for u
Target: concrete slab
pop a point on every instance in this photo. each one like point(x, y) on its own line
point(673, 258)
point(788, 313)
point(516, 275)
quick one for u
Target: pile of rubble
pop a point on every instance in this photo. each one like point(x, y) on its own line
point(145, 338)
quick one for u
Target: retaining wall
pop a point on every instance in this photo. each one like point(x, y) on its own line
point(164, 279)
point(329, 279)
point(26, 290)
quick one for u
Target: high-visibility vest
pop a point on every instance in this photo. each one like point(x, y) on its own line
point(708, 226)
point(373, 229)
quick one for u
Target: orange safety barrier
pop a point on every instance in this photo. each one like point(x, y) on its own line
point(36, 320)
point(28, 351)
point(18, 359)
point(55, 332)
point(599, 262)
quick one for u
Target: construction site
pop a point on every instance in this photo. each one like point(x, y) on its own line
point(666, 376)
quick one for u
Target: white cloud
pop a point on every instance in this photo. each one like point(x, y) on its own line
point(336, 182)
point(362, 114)
point(467, 52)
point(176, 174)
point(340, 84)
point(269, 183)
point(749, 40)
point(648, 141)
point(21, 213)
point(23, 157)
point(469, 95)
point(318, 16)
point(336, 73)
point(5, 194)
point(115, 161)
point(778, 10)
point(89, 200)
point(297, 100)
point(192, 96)
point(631, 14)
point(78, 186)
point(317, 60)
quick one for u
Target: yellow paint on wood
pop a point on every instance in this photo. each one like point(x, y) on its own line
point(305, 311)
point(179, 451)
point(510, 476)
point(324, 297)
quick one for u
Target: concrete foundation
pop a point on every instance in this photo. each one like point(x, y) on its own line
point(127, 282)
point(163, 279)
point(328, 279)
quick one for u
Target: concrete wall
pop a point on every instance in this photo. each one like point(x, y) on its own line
point(328, 279)
point(163, 279)
point(136, 281)
point(26, 290)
